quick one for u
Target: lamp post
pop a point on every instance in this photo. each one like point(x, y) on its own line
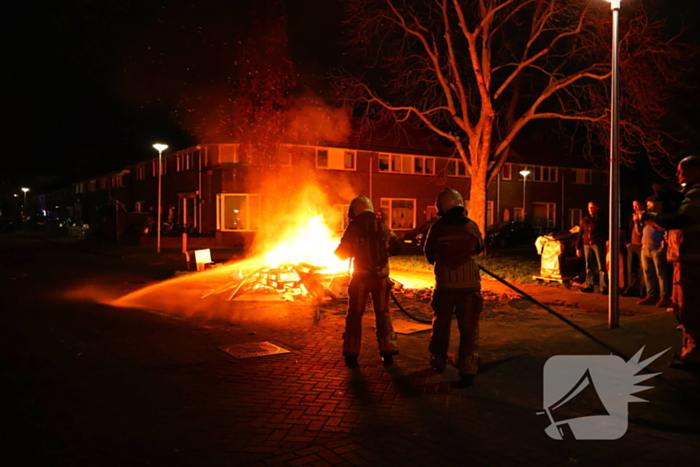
point(524, 173)
point(24, 205)
point(614, 234)
point(160, 148)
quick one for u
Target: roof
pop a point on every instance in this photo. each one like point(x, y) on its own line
point(387, 136)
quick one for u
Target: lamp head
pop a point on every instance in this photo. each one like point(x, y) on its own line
point(160, 147)
point(524, 173)
point(25, 189)
point(614, 4)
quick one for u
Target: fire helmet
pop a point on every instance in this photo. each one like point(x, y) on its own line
point(359, 205)
point(448, 199)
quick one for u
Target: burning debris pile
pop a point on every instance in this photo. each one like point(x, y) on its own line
point(290, 281)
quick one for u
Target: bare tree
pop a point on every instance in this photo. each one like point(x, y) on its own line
point(476, 72)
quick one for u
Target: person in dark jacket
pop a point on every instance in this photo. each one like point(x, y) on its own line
point(451, 245)
point(590, 244)
point(683, 224)
point(635, 275)
point(369, 242)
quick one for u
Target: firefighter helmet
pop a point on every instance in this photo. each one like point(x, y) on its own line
point(448, 199)
point(359, 205)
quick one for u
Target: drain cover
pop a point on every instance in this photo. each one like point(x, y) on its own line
point(254, 349)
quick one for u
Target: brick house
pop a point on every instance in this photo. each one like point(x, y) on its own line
point(214, 189)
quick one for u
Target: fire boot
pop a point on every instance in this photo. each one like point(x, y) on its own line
point(469, 366)
point(387, 359)
point(438, 363)
point(351, 361)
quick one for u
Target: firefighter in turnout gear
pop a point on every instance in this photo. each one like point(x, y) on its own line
point(451, 245)
point(369, 242)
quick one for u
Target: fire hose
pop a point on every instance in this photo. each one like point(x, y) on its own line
point(536, 302)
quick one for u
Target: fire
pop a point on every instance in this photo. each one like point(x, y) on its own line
point(312, 243)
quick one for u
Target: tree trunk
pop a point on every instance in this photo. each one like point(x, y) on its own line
point(477, 196)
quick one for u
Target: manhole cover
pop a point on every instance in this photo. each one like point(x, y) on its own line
point(254, 349)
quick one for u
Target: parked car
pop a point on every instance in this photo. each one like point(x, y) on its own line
point(509, 234)
point(416, 237)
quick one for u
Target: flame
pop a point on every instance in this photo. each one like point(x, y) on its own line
point(312, 242)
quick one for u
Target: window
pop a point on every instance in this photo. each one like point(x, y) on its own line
point(540, 174)
point(138, 206)
point(396, 163)
point(418, 163)
point(545, 174)
point(349, 160)
point(574, 217)
point(507, 172)
point(322, 158)
point(238, 211)
point(456, 168)
point(583, 176)
point(544, 215)
point(140, 172)
point(154, 167)
point(384, 162)
point(284, 155)
point(178, 163)
point(400, 214)
point(228, 154)
point(117, 180)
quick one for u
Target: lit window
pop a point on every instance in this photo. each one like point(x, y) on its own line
point(238, 211)
point(400, 214)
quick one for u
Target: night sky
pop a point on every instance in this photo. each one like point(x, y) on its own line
point(90, 85)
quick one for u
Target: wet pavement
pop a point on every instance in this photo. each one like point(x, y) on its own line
point(94, 384)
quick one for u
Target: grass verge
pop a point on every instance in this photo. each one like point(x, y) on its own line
point(516, 265)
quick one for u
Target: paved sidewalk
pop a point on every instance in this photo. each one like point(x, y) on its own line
point(99, 385)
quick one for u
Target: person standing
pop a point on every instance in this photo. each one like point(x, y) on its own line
point(654, 264)
point(590, 244)
point(635, 274)
point(683, 250)
point(369, 242)
point(450, 246)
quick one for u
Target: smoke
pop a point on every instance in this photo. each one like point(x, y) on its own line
point(311, 121)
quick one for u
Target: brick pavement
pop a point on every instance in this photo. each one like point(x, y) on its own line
point(101, 385)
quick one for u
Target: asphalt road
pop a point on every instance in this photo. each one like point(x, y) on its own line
point(90, 384)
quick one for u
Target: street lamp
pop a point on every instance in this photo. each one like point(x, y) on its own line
point(524, 173)
point(24, 205)
point(614, 234)
point(160, 148)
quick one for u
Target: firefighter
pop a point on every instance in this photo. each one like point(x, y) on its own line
point(370, 243)
point(451, 245)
